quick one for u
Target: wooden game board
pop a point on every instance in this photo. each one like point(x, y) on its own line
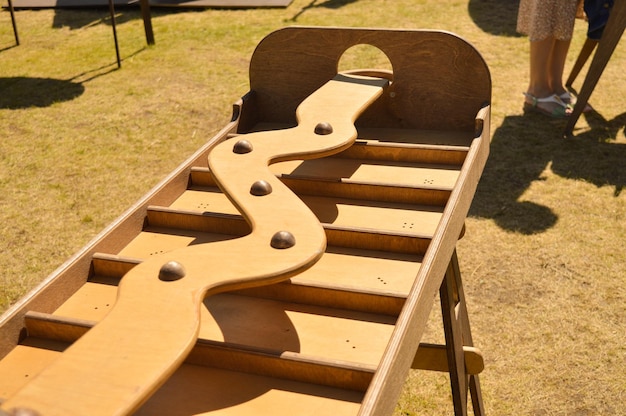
point(291, 264)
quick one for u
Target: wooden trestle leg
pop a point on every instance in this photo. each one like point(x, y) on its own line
point(458, 335)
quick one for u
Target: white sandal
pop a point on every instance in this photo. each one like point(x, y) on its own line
point(570, 100)
point(559, 111)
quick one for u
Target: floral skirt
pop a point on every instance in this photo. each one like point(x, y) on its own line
point(540, 19)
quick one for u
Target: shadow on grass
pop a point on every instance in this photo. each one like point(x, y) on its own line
point(24, 92)
point(328, 4)
point(521, 149)
point(92, 16)
point(27, 92)
point(6, 48)
point(497, 17)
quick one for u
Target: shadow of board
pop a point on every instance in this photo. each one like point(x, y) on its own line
point(497, 17)
point(74, 18)
point(519, 155)
point(24, 92)
point(328, 4)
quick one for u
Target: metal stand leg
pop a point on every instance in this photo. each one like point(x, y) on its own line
point(117, 48)
point(17, 37)
point(147, 20)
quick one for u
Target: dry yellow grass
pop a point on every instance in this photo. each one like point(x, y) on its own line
point(543, 256)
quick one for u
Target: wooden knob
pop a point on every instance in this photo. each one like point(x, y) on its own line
point(242, 147)
point(171, 271)
point(323, 128)
point(283, 239)
point(261, 188)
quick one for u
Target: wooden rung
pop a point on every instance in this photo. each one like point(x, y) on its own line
point(411, 232)
point(340, 268)
point(339, 294)
point(157, 240)
point(262, 323)
point(385, 217)
point(434, 146)
point(201, 176)
point(340, 212)
point(418, 175)
point(367, 281)
point(285, 365)
point(367, 191)
point(108, 266)
point(445, 139)
point(332, 296)
point(273, 363)
point(349, 189)
point(214, 222)
point(406, 152)
point(56, 328)
point(195, 389)
point(408, 243)
point(433, 357)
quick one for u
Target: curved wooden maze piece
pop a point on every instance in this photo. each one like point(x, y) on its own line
point(119, 363)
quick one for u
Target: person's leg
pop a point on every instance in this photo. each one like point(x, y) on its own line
point(540, 95)
point(556, 66)
point(540, 59)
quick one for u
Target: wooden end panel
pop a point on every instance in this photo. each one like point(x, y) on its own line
point(439, 80)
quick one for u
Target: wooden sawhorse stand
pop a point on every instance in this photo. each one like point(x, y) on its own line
point(463, 375)
point(461, 360)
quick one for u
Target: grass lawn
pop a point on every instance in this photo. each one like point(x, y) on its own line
point(543, 256)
